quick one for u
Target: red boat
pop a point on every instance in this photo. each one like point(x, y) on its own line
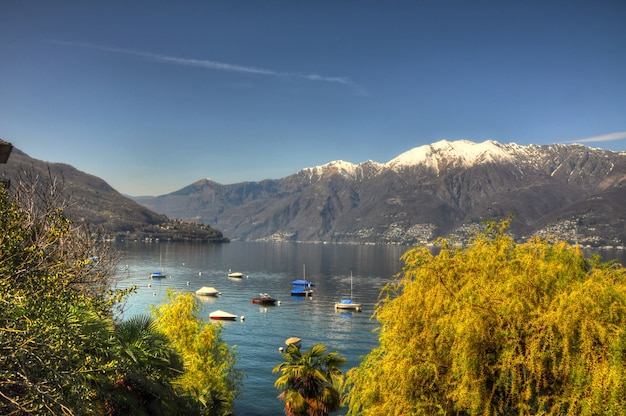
point(264, 299)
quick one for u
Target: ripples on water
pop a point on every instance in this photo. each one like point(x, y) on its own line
point(269, 268)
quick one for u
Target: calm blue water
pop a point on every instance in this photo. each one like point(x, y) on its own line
point(269, 267)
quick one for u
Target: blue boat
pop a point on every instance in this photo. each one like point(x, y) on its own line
point(157, 275)
point(301, 291)
point(348, 304)
point(302, 282)
point(300, 286)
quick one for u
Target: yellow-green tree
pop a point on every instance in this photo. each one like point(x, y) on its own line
point(498, 328)
point(61, 350)
point(210, 376)
point(55, 310)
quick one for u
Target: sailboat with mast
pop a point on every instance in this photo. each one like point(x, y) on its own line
point(158, 274)
point(348, 304)
point(302, 287)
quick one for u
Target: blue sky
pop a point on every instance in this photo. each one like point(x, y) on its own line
point(152, 96)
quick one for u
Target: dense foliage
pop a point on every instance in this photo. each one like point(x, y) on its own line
point(498, 328)
point(210, 377)
point(146, 366)
point(55, 313)
point(311, 382)
point(62, 350)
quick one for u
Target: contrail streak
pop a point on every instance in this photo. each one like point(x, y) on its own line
point(215, 65)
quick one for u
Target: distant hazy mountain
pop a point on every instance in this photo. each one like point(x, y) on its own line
point(443, 189)
point(91, 200)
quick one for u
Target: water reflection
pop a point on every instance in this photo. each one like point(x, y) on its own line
point(268, 268)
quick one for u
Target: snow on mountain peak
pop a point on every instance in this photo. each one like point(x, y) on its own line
point(459, 153)
point(436, 156)
point(339, 166)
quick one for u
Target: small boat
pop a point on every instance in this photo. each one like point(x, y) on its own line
point(208, 291)
point(301, 291)
point(159, 273)
point(221, 315)
point(348, 304)
point(295, 341)
point(303, 282)
point(264, 299)
point(344, 304)
point(234, 274)
point(300, 286)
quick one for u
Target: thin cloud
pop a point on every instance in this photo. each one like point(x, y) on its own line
point(603, 138)
point(216, 65)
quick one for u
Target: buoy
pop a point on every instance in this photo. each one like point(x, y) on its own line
point(149, 284)
point(153, 293)
point(281, 349)
point(278, 302)
point(243, 318)
point(199, 273)
point(187, 282)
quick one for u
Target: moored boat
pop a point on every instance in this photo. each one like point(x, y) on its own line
point(208, 291)
point(303, 282)
point(221, 315)
point(234, 274)
point(348, 304)
point(157, 275)
point(302, 287)
point(301, 291)
point(295, 341)
point(264, 299)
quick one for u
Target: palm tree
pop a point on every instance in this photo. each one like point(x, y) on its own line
point(146, 365)
point(311, 381)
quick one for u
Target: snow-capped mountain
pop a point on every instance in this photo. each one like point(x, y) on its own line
point(434, 190)
point(460, 153)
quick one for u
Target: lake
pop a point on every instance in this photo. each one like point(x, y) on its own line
point(268, 268)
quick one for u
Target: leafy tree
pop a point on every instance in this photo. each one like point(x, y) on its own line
point(311, 381)
point(146, 364)
point(210, 376)
point(498, 328)
point(55, 309)
point(61, 350)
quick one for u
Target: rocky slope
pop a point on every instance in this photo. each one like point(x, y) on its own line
point(91, 200)
point(446, 188)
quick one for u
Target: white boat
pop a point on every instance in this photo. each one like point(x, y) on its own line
point(208, 291)
point(295, 341)
point(234, 274)
point(348, 304)
point(159, 273)
point(222, 316)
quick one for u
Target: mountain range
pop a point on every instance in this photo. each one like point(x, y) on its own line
point(448, 188)
point(90, 200)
